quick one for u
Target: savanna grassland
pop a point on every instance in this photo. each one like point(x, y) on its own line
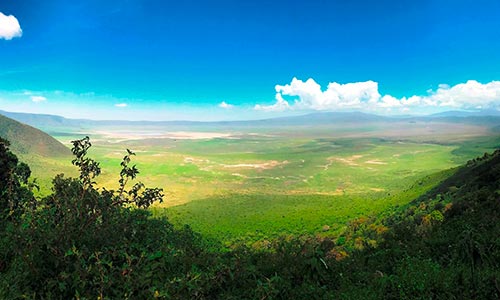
point(400, 209)
point(238, 183)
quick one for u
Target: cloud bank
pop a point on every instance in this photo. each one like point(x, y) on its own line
point(9, 27)
point(309, 95)
point(225, 105)
point(121, 105)
point(38, 98)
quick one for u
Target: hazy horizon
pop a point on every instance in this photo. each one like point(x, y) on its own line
point(495, 113)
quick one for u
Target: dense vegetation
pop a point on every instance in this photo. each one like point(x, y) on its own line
point(82, 242)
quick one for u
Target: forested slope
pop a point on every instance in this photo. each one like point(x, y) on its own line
point(445, 244)
point(82, 242)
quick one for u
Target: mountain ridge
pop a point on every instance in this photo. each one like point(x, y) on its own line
point(28, 140)
point(44, 120)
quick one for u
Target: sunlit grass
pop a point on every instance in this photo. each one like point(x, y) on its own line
point(259, 186)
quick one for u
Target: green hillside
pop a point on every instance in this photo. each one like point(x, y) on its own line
point(82, 242)
point(443, 245)
point(26, 140)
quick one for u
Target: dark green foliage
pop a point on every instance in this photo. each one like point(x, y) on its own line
point(89, 168)
point(14, 191)
point(82, 242)
point(446, 244)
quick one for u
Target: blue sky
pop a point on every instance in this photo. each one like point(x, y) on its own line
point(211, 60)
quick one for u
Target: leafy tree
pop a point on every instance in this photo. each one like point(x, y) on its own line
point(14, 191)
point(80, 241)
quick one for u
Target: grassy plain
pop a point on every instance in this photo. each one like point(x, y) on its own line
point(248, 184)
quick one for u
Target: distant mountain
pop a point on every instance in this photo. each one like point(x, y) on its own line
point(318, 118)
point(25, 139)
point(41, 120)
point(44, 120)
point(462, 114)
point(51, 122)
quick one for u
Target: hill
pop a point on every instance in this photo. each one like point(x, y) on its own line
point(52, 122)
point(317, 118)
point(459, 113)
point(443, 245)
point(27, 140)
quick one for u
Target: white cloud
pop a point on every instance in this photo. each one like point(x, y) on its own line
point(9, 27)
point(308, 95)
point(225, 105)
point(121, 105)
point(280, 105)
point(471, 94)
point(38, 98)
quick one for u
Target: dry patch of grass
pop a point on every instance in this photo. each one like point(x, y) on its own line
point(121, 136)
point(375, 162)
point(350, 161)
point(262, 166)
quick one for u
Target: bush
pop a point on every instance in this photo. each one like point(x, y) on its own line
point(85, 243)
